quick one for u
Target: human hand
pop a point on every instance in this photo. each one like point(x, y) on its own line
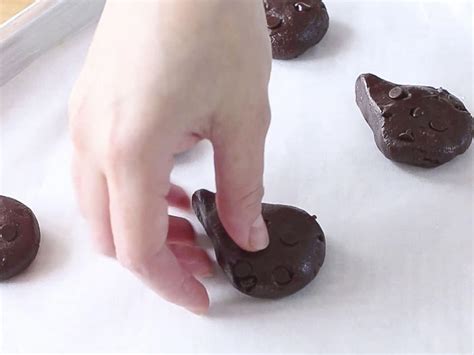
point(160, 76)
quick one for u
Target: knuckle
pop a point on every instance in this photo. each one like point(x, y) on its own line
point(119, 152)
point(125, 143)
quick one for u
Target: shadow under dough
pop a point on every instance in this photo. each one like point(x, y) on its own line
point(340, 280)
point(455, 172)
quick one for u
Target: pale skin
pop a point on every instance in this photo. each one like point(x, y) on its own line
point(160, 76)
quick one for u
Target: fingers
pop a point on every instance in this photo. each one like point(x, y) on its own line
point(181, 241)
point(92, 193)
point(193, 259)
point(138, 190)
point(180, 231)
point(239, 162)
point(138, 206)
point(177, 197)
point(165, 275)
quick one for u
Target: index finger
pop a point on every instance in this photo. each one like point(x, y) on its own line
point(139, 219)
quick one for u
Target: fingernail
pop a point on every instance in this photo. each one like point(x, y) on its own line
point(207, 273)
point(198, 311)
point(193, 302)
point(185, 203)
point(203, 270)
point(258, 238)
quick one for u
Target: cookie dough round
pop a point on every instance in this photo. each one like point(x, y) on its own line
point(416, 125)
point(295, 26)
point(19, 237)
point(291, 261)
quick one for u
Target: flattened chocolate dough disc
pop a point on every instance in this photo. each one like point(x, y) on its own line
point(292, 260)
point(295, 26)
point(417, 125)
point(19, 237)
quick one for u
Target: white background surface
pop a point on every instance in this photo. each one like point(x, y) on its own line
point(398, 273)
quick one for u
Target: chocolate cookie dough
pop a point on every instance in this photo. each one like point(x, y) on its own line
point(19, 237)
point(295, 26)
point(293, 258)
point(417, 125)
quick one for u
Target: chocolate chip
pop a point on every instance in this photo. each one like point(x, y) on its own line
point(289, 239)
point(321, 238)
point(273, 22)
point(302, 6)
point(242, 269)
point(8, 232)
point(417, 112)
point(438, 126)
point(396, 93)
point(407, 136)
point(247, 283)
point(282, 276)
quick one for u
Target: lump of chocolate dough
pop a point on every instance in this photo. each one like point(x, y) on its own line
point(19, 237)
point(292, 260)
point(295, 26)
point(417, 125)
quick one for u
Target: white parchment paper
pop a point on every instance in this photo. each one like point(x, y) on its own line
point(398, 273)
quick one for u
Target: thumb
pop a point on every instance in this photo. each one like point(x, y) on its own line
point(239, 163)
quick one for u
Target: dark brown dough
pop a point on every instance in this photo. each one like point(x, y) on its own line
point(19, 237)
point(295, 26)
point(417, 125)
point(292, 260)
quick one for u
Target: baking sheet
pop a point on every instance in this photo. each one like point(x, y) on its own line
point(398, 273)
